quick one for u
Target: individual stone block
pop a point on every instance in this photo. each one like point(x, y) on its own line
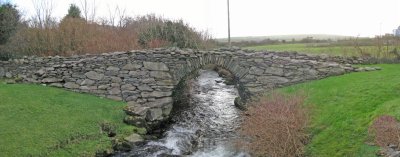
point(71, 85)
point(94, 75)
point(157, 66)
point(154, 114)
point(155, 94)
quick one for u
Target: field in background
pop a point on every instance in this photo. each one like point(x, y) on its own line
point(318, 48)
point(343, 107)
point(286, 37)
point(43, 121)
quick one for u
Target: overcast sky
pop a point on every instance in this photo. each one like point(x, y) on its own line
point(259, 17)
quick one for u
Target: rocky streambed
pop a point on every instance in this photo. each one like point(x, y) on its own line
point(204, 128)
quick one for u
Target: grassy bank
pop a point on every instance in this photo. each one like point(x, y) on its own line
point(343, 107)
point(44, 121)
point(321, 49)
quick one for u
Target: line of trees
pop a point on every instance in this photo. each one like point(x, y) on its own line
point(80, 32)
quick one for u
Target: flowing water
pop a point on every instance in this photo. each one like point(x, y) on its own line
point(205, 128)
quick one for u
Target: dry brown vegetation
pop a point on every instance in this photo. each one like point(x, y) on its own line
point(386, 131)
point(76, 36)
point(276, 126)
point(44, 35)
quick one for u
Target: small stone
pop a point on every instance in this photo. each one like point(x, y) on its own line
point(131, 98)
point(160, 102)
point(116, 98)
point(71, 85)
point(337, 71)
point(148, 80)
point(128, 87)
point(94, 75)
point(369, 69)
point(40, 72)
point(103, 87)
point(112, 68)
point(258, 60)
point(154, 114)
point(10, 81)
point(138, 73)
point(111, 73)
point(156, 94)
point(136, 110)
point(165, 83)
point(8, 75)
point(272, 79)
point(166, 110)
point(160, 75)
point(59, 85)
point(133, 139)
point(87, 82)
point(131, 67)
point(274, 71)
point(157, 66)
point(135, 121)
point(84, 88)
point(114, 91)
point(51, 80)
point(256, 71)
point(116, 80)
point(145, 88)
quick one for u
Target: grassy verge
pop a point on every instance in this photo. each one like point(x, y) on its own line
point(343, 107)
point(43, 121)
point(321, 49)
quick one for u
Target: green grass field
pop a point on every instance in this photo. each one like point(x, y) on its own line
point(44, 121)
point(344, 106)
point(321, 49)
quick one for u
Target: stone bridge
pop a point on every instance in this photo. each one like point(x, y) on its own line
point(146, 79)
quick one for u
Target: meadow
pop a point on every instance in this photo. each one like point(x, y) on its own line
point(327, 49)
point(45, 121)
point(343, 107)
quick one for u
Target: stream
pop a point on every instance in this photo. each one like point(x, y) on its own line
point(205, 128)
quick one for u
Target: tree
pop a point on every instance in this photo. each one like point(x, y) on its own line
point(9, 20)
point(74, 11)
point(43, 14)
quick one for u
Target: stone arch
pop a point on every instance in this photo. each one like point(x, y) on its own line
point(227, 62)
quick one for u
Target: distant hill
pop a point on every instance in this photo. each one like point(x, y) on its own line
point(285, 37)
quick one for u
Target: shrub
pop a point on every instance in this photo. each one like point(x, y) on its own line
point(275, 126)
point(173, 33)
point(385, 130)
point(75, 36)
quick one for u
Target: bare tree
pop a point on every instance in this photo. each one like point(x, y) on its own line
point(85, 10)
point(93, 11)
point(89, 10)
point(111, 16)
point(121, 16)
point(43, 12)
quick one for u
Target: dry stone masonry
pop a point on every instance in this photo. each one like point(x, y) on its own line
point(146, 79)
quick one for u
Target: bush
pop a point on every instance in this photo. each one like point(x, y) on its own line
point(385, 130)
point(276, 126)
point(171, 33)
point(75, 36)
